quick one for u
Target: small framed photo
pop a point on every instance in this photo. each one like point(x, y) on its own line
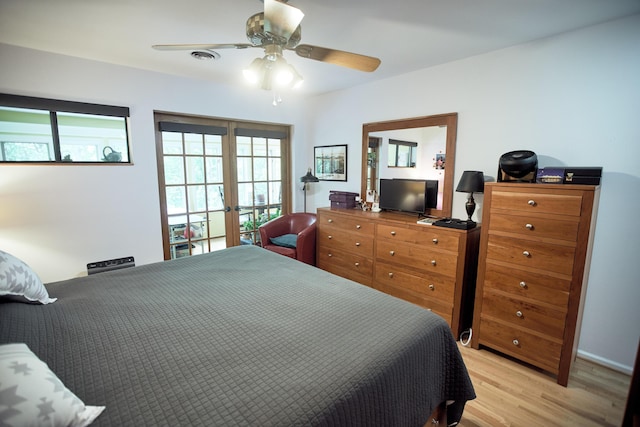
point(330, 162)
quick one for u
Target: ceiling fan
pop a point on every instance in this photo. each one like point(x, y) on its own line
point(274, 30)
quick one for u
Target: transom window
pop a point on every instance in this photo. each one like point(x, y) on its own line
point(57, 131)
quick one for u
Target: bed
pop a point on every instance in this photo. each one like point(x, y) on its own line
point(241, 337)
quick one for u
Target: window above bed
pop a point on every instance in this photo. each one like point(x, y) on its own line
point(40, 130)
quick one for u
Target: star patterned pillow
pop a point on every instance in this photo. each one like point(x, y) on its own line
point(31, 394)
point(17, 278)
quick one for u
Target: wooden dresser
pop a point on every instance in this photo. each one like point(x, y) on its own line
point(430, 266)
point(534, 261)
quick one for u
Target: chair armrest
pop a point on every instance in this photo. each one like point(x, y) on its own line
point(306, 245)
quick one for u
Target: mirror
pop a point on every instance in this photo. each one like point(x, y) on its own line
point(436, 145)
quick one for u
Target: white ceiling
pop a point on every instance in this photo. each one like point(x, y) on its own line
point(406, 35)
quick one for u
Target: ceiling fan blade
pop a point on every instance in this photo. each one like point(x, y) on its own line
point(280, 19)
point(201, 46)
point(338, 57)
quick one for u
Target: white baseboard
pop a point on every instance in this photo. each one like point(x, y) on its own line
point(605, 362)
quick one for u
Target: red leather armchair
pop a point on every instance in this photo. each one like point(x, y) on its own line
point(303, 225)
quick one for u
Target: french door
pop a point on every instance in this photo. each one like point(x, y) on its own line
point(219, 180)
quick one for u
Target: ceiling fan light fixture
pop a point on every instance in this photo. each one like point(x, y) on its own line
point(254, 72)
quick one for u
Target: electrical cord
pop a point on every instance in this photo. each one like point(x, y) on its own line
point(465, 343)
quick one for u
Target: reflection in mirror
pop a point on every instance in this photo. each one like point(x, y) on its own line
point(402, 154)
point(433, 147)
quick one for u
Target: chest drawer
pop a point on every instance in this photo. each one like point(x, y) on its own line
point(525, 284)
point(524, 314)
point(345, 264)
point(351, 224)
point(543, 256)
point(416, 257)
point(534, 226)
point(432, 286)
point(358, 243)
point(521, 344)
point(429, 236)
point(565, 203)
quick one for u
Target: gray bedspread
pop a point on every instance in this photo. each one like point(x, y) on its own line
point(242, 337)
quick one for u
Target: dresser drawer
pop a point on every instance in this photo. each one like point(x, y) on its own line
point(564, 203)
point(442, 309)
point(522, 283)
point(429, 286)
point(524, 314)
point(416, 257)
point(429, 236)
point(356, 243)
point(541, 352)
point(543, 256)
point(351, 224)
point(528, 225)
point(345, 264)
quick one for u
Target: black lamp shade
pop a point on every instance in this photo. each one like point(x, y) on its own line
point(471, 182)
point(309, 177)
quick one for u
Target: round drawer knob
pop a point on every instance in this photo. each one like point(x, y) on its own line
point(519, 313)
point(435, 241)
point(523, 285)
point(357, 243)
point(357, 264)
point(392, 253)
point(526, 253)
point(329, 255)
point(358, 227)
point(330, 220)
point(516, 342)
point(531, 203)
point(330, 237)
point(390, 275)
point(393, 233)
point(432, 287)
point(433, 262)
point(529, 226)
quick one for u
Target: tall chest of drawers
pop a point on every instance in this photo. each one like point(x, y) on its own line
point(430, 266)
point(534, 261)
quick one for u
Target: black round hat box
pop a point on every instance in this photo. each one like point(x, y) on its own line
point(520, 165)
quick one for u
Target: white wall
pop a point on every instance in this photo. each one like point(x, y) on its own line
point(58, 218)
point(574, 99)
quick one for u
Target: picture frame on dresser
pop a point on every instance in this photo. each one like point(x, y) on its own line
point(330, 162)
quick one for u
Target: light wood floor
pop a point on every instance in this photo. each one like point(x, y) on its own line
point(512, 394)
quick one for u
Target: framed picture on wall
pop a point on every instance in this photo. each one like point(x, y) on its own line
point(330, 162)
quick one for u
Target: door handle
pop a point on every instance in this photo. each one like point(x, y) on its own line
point(237, 209)
point(227, 209)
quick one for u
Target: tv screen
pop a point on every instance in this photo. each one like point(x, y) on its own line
point(408, 195)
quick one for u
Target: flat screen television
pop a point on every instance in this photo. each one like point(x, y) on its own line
point(408, 195)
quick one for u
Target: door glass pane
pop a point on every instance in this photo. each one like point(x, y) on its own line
point(171, 143)
point(214, 169)
point(215, 197)
point(243, 146)
point(260, 169)
point(274, 147)
point(176, 200)
point(195, 170)
point(244, 172)
point(275, 172)
point(213, 145)
point(259, 147)
point(275, 193)
point(173, 170)
point(197, 198)
point(193, 143)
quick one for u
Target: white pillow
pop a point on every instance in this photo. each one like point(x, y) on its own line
point(17, 278)
point(32, 395)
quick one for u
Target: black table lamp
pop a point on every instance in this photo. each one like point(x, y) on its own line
point(471, 182)
point(306, 180)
